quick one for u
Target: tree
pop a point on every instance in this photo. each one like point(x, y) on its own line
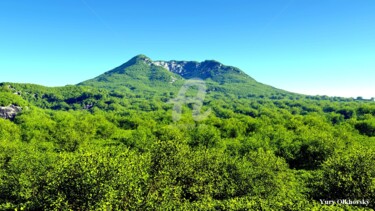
point(348, 175)
point(366, 127)
point(9, 130)
point(204, 135)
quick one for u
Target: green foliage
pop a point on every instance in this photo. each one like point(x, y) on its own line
point(204, 135)
point(7, 98)
point(9, 131)
point(348, 175)
point(366, 127)
point(110, 143)
point(105, 178)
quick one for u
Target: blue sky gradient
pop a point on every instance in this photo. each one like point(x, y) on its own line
point(324, 47)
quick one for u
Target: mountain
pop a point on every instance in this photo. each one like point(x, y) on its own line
point(142, 78)
point(141, 74)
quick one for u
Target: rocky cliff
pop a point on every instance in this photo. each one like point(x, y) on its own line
point(9, 112)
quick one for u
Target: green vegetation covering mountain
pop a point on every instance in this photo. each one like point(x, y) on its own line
point(111, 143)
point(136, 76)
point(141, 74)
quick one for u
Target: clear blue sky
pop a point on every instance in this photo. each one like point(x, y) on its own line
point(324, 47)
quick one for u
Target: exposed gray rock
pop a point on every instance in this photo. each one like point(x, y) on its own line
point(9, 112)
point(88, 106)
point(191, 69)
point(173, 66)
point(146, 60)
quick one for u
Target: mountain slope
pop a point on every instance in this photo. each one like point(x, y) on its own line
point(136, 75)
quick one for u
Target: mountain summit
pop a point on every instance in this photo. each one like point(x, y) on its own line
point(143, 74)
point(186, 69)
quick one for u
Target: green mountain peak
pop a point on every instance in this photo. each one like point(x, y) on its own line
point(141, 73)
point(141, 57)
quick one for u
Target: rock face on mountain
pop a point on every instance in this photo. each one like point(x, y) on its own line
point(9, 112)
point(191, 69)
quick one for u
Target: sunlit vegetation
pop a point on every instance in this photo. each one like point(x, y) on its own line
point(96, 148)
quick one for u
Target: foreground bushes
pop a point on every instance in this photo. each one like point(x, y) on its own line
point(171, 176)
point(276, 155)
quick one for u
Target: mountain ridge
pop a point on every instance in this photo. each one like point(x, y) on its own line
point(184, 68)
point(141, 73)
point(191, 69)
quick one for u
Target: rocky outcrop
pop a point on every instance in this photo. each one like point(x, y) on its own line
point(9, 112)
point(205, 69)
point(173, 66)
